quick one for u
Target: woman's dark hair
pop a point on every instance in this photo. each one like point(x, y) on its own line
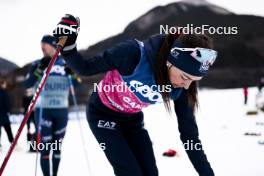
point(161, 70)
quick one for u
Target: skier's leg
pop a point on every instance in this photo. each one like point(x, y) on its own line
point(9, 133)
point(60, 120)
point(29, 136)
point(0, 134)
point(28, 124)
point(34, 120)
point(46, 138)
point(141, 145)
point(30, 119)
point(106, 130)
point(56, 157)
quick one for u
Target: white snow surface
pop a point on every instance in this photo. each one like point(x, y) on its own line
point(222, 122)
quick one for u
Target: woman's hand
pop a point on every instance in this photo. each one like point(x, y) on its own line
point(69, 26)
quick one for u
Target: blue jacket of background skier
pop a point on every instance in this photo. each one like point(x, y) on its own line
point(56, 91)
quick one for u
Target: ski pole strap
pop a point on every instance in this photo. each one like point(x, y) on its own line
point(71, 85)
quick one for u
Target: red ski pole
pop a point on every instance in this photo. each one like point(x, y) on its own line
point(32, 104)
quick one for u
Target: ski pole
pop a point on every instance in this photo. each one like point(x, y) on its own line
point(79, 122)
point(38, 134)
point(61, 43)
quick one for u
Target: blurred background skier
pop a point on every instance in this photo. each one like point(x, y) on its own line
point(51, 111)
point(5, 108)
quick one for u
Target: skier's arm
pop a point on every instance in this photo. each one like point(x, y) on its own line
point(31, 77)
point(36, 72)
point(120, 57)
point(189, 132)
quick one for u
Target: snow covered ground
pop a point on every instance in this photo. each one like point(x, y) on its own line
point(222, 123)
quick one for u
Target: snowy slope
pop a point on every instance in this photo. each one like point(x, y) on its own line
point(222, 123)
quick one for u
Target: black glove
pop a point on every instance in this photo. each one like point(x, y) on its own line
point(68, 71)
point(75, 77)
point(69, 26)
point(44, 62)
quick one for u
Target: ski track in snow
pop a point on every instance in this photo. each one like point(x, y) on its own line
point(222, 123)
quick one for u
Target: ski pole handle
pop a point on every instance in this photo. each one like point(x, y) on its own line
point(62, 41)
